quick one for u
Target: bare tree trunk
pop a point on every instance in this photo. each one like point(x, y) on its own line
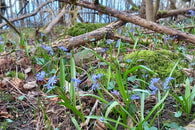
point(149, 10)
point(2, 9)
point(61, 5)
point(156, 8)
point(21, 12)
point(142, 10)
point(172, 4)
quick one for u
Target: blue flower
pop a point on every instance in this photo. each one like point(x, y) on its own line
point(118, 43)
point(48, 49)
point(115, 92)
point(166, 83)
point(192, 12)
point(52, 80)
point(76, 81)
point(129, 60)
point(103, 49)
point(40, 76)
point(167, 38)
point(175, 37)
point(102, 119)
point(95, 86)
point(63, 48)
point(134, 97)
point(109, 41)
point(153, 88)
point(95, 77)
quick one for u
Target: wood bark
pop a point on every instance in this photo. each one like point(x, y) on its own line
point(91, 36)
point(175, 12)
point(136, 20)
point(55, 21)
point(149, 10)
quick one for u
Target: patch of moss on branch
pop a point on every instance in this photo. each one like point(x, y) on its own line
point(82, 28)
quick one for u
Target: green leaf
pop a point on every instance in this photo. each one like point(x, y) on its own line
point(109, 109)
point(9, 120)
point(21, 97)
point(136, 68)
point(75, 123)
point(178, 114)
point(62, 73)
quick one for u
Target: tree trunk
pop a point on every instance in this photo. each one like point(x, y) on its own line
point(149, 10)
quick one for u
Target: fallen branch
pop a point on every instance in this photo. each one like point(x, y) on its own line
point(28, 15)
point(135, 20)
point(91, 36)
point(175, 12)
point(55, 21)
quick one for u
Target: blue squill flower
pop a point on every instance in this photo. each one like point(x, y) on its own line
point(102, 119)
point(76, 81)
point(63, 48)
point(95, 77)
point(166, 83)
point(109, 41)
point(154, 88)
point(115, 92)
point(52, 80)
point(135, 97)
point(103, 49)
point(40, 76)
point(95, 86)
point(192, 12)
point(48, 49)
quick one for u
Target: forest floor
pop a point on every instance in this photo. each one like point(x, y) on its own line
point(29, 101)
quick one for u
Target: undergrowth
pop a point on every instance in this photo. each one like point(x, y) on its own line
point(134, 87)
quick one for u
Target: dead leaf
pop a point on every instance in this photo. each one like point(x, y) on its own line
point(30, 85)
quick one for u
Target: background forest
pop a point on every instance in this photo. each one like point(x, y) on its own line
point(97, 64)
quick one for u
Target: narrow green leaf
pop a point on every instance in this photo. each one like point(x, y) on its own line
point(109, 109)
point(62, 73)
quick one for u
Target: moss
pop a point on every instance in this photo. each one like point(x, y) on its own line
point(13, 74)
point(162, 12)
point(81, 28)
point(135, 8)
point(160, 61)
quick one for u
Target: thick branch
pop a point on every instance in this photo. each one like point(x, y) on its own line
point(164, 14)
point(55, 21)
point(28, 15)
point(91, 36)
point(136, 20)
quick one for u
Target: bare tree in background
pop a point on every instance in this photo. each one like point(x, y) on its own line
point(149, 10)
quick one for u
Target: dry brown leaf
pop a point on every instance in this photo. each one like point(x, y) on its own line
point(30, 85)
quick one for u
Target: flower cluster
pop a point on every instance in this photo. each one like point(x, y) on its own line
point(192, 12)
point(166, 83)
point(95, 79)
point(63, 48)
point(48, 49)
point(153, 84)
point(170, 38)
